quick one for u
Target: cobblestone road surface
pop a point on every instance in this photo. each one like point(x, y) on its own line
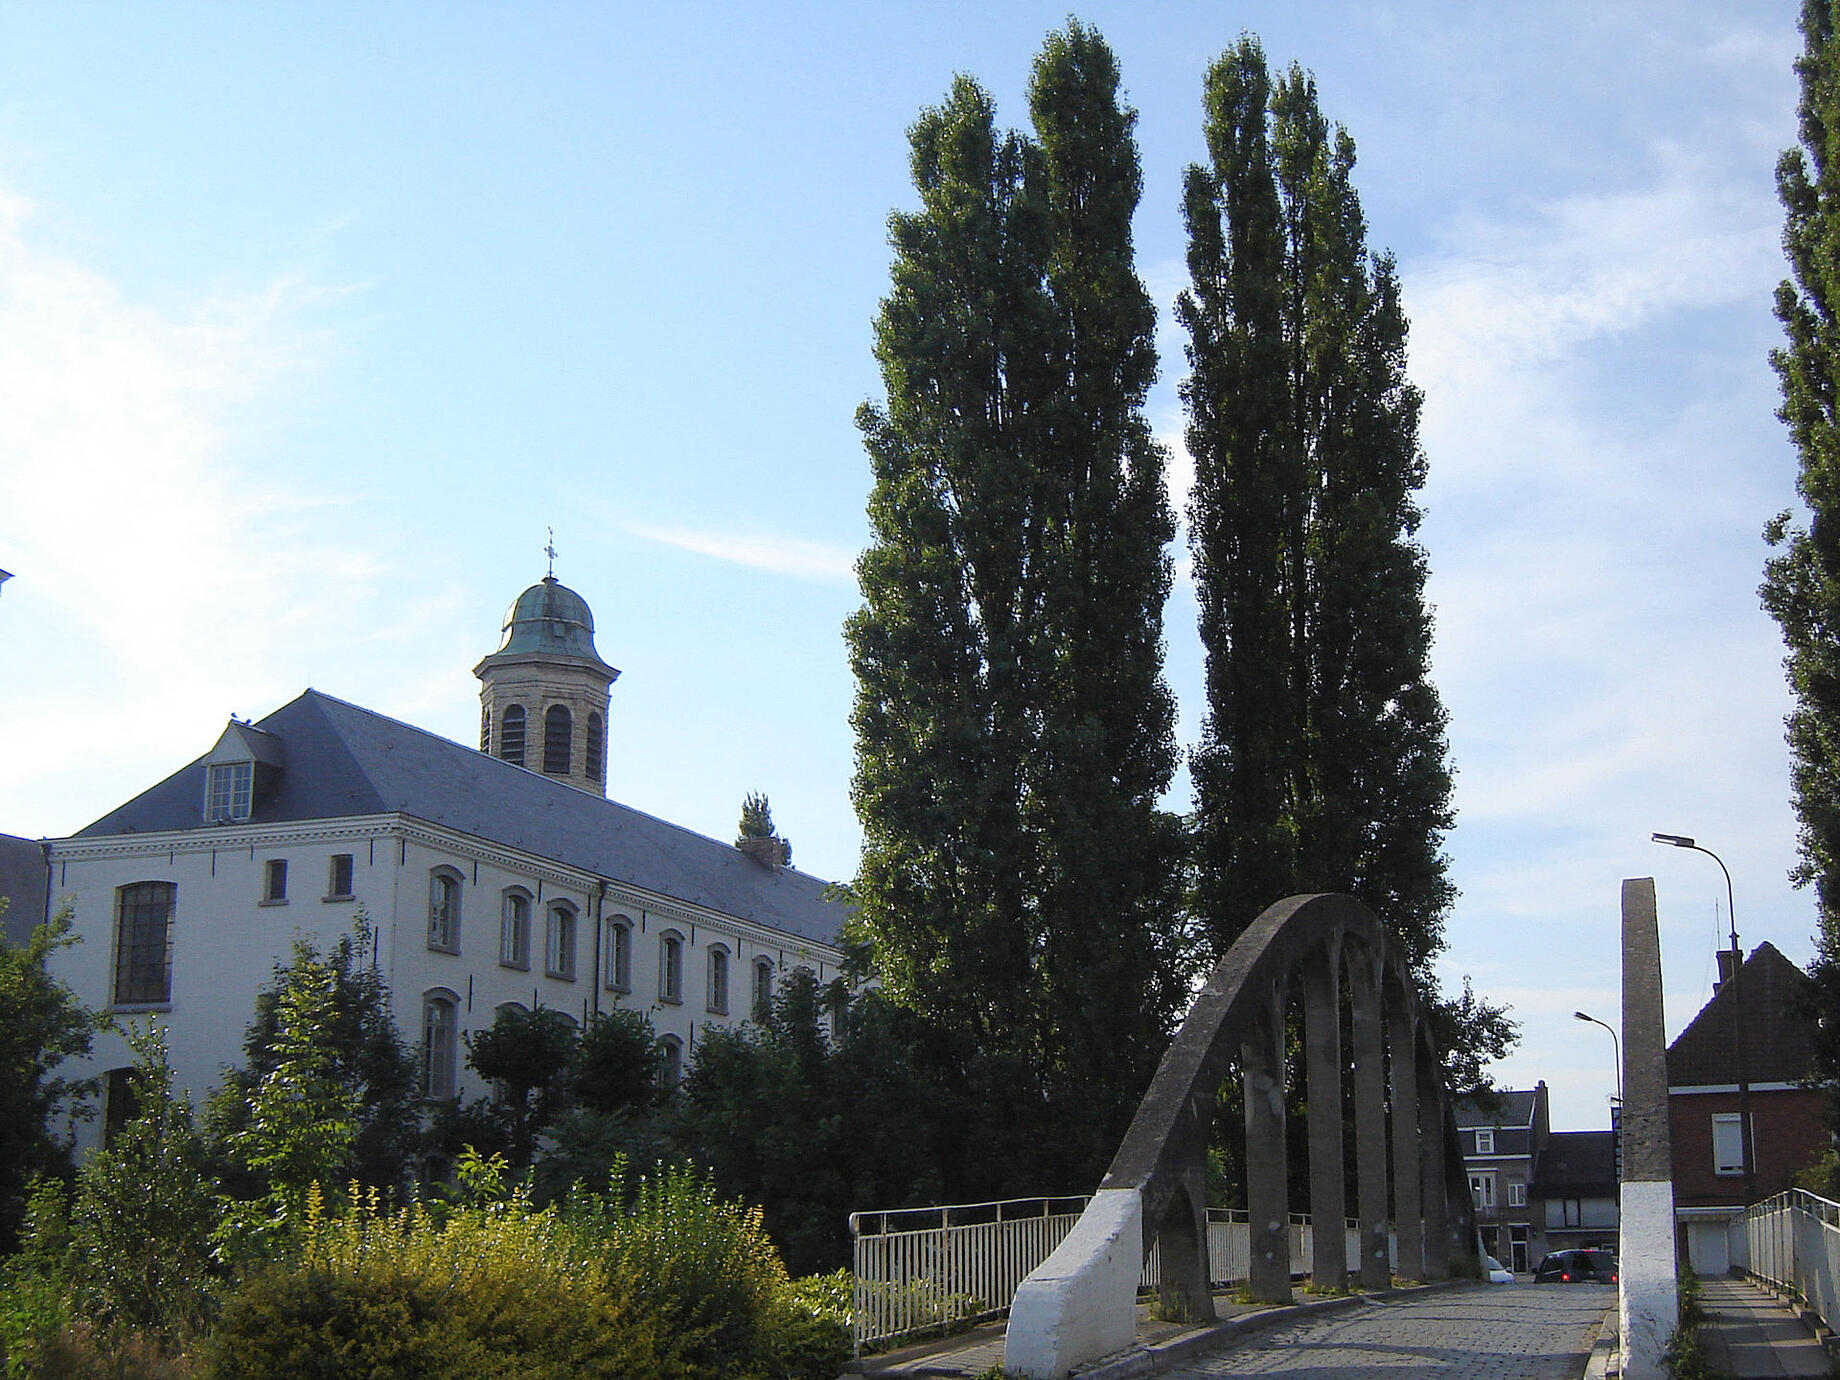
point(1474, 1332)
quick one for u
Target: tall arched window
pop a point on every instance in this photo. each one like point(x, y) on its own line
point(143, 942)
point(673, 1072)
point(559, 941)
point(763, 988)
point(557, 727)
point(671, 967)
point(444, 910)
point(718, 979)
point(440, 1042)
point(619, 954)
point(514, 929)
point(511, 734)
point(597, 747)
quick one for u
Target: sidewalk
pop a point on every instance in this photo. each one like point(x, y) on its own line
point(1159, 1344)
point(1747, 1334)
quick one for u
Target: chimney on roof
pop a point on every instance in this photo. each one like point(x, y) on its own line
point(769, 852)
point(1728, 965)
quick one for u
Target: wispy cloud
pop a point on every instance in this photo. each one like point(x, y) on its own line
point(792, 556)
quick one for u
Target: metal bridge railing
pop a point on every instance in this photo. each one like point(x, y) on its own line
point(934, 1269)
point(1794, 1241)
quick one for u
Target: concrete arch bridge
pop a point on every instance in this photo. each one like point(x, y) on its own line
point(1079, 1304)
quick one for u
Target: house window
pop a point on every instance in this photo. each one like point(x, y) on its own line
point(444, 910)
point(485, 731)
point(671, 967)
point(1485, 1142)
point(718, 980)
point(274, 881)
point(511, 735)
point(440, 1041)
point(763, 988)
point(559, 942)
point(120, 1105)
point(143, 943)
point(597, 747)
point(557, 729)
point(1482, 1189)
point(228, 788)
point(514, 930)
point(619, 954)
point(1564, 1212)
point(673, 1072)
point(338, 878)
point(1727, 1144)
point(1517, 1195)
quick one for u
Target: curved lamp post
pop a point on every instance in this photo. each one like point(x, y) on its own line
point(1745, 1152)
point(1616, 1050)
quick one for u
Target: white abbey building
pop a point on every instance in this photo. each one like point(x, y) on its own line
point(493, 877)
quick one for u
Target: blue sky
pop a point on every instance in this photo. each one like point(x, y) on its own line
point(314, 319)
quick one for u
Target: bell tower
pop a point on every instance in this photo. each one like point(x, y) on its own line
point(543, 694)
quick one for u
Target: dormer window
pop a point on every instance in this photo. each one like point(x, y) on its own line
point(228, 792)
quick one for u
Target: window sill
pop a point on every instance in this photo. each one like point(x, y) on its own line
point(140, 1007)
point(512, 963)
point(716, 1010)
point(559, 977)
point(348, 896)
point(272, 901)
point(453, 949)
point(671, 1001)
point(623, 988)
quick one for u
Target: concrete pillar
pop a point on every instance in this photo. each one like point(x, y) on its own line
point(1434, 1180)
point(1369, 1118)
point(1267, 1201)
point(1322, 1043)
point(1182, 1285)
point(1402, 1088)
point(1648, 1298)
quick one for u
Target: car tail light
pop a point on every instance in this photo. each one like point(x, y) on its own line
point(1564, 1278)
point(1613, 1276)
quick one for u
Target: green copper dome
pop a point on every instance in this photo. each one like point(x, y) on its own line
point(549, 619)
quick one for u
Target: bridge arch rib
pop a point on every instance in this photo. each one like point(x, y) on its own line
point(1080, 1303)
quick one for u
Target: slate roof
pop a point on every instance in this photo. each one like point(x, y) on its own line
point(1577, 1164)
point(1767, 1000)
point(23, 881)
point(345, 760)
point(1509, 1107)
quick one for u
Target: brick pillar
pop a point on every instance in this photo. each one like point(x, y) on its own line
point(1267, 1198)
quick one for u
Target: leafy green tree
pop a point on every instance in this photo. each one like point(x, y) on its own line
point(1013, 728)
point(340, 1020)
point(1323, 760)
point(619, 1064)
point(1801, 587)
point(41, 1025)
point(145, 1211)
point(530, 1056)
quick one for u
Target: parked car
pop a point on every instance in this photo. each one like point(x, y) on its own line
point(1497, 1272)
point(1576, 1267)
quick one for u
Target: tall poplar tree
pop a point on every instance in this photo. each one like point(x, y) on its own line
point(1801, 587)
point(1322, 765)
point(1013, 727)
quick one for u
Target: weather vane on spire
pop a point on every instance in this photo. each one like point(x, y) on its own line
point(550, 551)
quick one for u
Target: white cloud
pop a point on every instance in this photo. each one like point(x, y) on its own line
point(804, 560)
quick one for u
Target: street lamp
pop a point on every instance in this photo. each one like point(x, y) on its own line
point(1616, 1051)
point(1737, 1016)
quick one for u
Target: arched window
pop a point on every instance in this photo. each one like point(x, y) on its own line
point(673, 1071)
point(597, 747)
point(718, 979)
point(511, 734)
point(440, 1042)
point(444, 910)
point(671, 967)
point(559, 941)
point(143, 943)
point(120, 1104)
point(485, 731)
point(514, 929)
point(557, 727)
point(762, 1003)
point(618, 976)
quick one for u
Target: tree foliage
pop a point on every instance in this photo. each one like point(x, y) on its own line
point(1013, 728)
point(41, 1025)
point(529, 1055)
point(1801, 587)
point(1322, 765)
point(325, 1017)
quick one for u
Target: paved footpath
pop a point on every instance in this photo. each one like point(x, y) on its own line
point(1474, 1332)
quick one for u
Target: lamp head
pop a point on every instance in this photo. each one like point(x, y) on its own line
point(1580, 1016)
point(1673, 840)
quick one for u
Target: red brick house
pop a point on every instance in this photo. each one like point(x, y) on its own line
point(1763, 1011)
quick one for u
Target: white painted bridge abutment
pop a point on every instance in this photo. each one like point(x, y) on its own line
point(1080, 1303)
